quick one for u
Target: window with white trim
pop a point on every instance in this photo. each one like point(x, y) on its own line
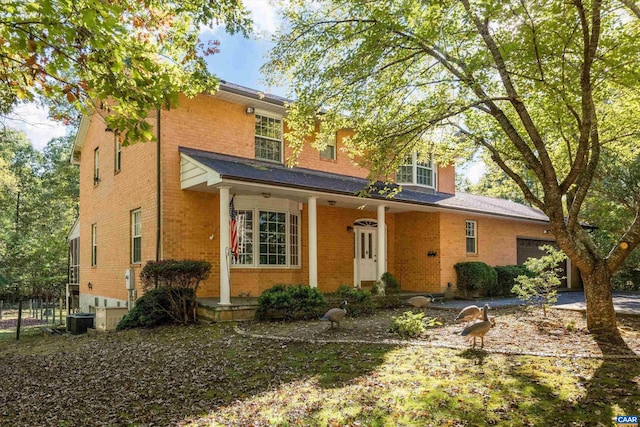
point(136, 236)
point(417, 172)
point(244, 223)
point(268, 238)
point(94, 244)
point(117, 161)
point(294, 243)
point(96, 166)
point(268, 138)
point(329, 151)
point(472, 237)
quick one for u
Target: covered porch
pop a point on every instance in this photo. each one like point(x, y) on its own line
point(296, 225)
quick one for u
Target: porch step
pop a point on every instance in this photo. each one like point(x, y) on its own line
point(227, 313)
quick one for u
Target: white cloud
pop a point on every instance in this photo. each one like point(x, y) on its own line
point(34, 121)
point(475, 172)
point(265, 15)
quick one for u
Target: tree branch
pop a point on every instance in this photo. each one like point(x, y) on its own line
point(632, 6)
point(546, 173)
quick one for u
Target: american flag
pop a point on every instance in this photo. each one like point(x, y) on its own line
point(233, 228)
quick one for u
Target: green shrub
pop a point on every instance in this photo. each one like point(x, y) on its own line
point(476, 276)
point(542, 287)
point(507, 275)
point(153, 308)
point(411, 325)
point(172, 273)
point(387, 284)
point(290, 302)
point(388, 301)
point(391, 285)
point(626, 279)
point(359, 301)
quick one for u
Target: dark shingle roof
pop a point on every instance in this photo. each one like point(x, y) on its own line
point(250, 170)
point(252, 93)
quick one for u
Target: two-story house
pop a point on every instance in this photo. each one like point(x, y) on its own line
point(306, 224)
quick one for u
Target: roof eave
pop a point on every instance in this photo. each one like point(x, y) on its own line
point(80, 137)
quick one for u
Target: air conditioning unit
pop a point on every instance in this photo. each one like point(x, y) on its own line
point(107, 318)
point(129, 279)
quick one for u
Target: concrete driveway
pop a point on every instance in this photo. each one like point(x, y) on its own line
point(627, 303)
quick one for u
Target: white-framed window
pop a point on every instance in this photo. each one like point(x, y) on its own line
point(472, 237)
point(96, 166)
point(268, 237)
point(329, 151)
point(417, 172)
point(294, 240)
point(244, 223)
point(117, 161)
point(94, 244)
point(74, 261)
point(268, 138)
point(136, 236)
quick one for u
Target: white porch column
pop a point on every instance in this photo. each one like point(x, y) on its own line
point(313, 243)
point(381, 262)
point(225, 286)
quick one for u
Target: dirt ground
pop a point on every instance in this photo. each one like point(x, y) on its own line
point(517, 331)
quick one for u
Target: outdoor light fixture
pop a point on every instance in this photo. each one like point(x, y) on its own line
point(266, 195)
point(331, 202)
point(250, 110)
point(349, 229)
point(89, 285)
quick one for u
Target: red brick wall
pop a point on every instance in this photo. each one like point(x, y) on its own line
point(447, 179)
point(189, 218)
point(496, 241)
point(109, 204)
point(417, 234)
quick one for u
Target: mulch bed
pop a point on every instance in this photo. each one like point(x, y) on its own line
point(518, 331)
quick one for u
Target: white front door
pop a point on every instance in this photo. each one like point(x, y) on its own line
point(366, 253)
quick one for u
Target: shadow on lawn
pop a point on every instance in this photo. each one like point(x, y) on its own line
point(613, 384)
point(163, 377)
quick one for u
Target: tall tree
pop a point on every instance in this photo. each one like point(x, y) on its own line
point(543, 86)
point(136, 55)
point(38, 201)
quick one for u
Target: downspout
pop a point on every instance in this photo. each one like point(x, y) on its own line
point(158, 183)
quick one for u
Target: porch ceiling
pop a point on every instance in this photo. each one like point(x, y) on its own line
point(206, 171)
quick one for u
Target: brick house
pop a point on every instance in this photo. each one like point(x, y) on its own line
point(171, 199)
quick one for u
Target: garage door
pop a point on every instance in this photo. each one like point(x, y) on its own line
point(529, 248)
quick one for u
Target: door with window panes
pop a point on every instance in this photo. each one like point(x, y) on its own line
point(366, 252)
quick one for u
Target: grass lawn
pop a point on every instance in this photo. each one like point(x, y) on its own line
point(210, 375)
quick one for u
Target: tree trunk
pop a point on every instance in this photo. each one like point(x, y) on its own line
point(601, 316)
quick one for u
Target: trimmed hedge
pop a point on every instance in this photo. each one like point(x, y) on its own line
point(290, 302)
point(151, 309)
point(388, 301)
point(391, 285)
point(507, 278)
point(172, 273)
point(476, 278)
point(359, 301)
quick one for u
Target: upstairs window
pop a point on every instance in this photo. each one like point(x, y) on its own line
point(417, 172)
point(118, 156)
point(96, 166)
point(268, 138)
point(329, 152)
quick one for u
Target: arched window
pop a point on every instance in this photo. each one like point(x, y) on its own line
point(365, 222)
